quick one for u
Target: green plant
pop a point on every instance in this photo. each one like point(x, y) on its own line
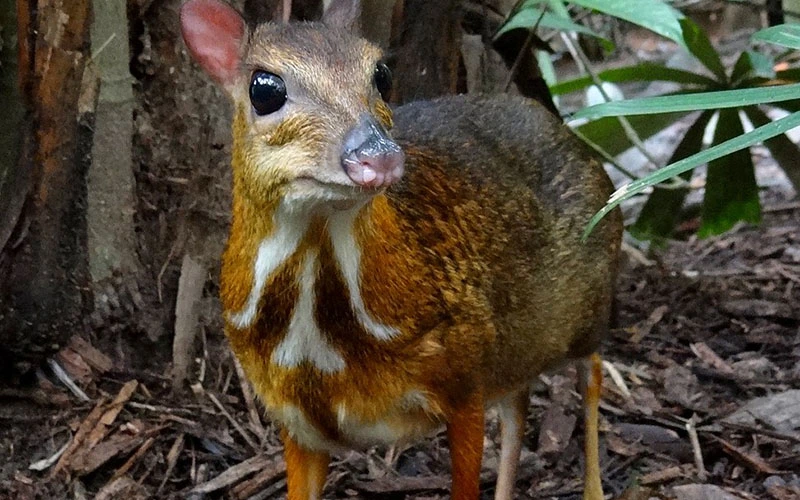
point(731, 192)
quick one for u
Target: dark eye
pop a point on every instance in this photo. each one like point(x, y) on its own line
point(267, 92)
point(383, 80)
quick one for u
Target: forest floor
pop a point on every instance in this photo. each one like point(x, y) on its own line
point(704, 403)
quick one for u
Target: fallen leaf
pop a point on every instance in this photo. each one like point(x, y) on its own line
point(662, 476)
point(702, 492)
point(780, 410)
point(755, 308)
point(711, 358)
point(643, 327)
point(555, 430)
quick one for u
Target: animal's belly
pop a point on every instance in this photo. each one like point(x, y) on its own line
point(346, 424)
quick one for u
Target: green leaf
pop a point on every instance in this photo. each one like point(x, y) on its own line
point(783, 150)
point(546, 67)
point(752, 64)
point(786, 35)
point(731, 189)
point(662, 210)
point(743, 141)
point(607, 133)
point(655, 15)
point(646, 72)
point(700, 46)
point(527, 18)
point(692, 102)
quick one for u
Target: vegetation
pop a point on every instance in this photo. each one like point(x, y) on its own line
point(735, 96)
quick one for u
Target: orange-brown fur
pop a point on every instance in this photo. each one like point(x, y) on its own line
point(474, 257)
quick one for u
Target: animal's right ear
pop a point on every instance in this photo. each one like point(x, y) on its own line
point(343, 14)
point(214, 33)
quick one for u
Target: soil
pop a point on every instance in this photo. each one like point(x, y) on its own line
point(701, 393)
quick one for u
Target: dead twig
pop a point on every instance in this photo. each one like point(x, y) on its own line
point(132, 460)
point(755, 462)
point(252, 410)
point(65, 379)
point(190, 292)
point(233, 422)
point(172, 459)
point(45, 463)
point(691, 429)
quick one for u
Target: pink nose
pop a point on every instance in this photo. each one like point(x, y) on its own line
point(371, 158)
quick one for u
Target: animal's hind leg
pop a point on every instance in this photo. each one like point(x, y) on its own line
point(590, 372)
point(512, 411)
point(306, 470)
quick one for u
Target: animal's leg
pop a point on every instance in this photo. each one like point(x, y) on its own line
point(591, 375)
point(306, 470)
point(512, 411)
point(465, 436)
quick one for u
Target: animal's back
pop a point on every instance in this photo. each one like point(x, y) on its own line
point(514, 188)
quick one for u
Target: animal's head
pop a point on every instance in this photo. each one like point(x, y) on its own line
point(310, 118)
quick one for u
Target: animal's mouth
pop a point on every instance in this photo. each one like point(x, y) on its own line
point(314, 189)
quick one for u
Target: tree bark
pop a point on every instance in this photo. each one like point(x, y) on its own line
point(428, 48)
point(112, 243)
point(44, 271)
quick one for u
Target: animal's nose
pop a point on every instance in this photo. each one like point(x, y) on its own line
point(370, 157)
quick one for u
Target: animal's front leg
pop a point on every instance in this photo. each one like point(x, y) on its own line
point(306, 470)
point(465, 436)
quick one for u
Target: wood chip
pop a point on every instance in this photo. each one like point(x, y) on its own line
point(233, 474)
point(662, 476)
point(110, 414)
point(711, 358)
point(402, 484)
point(74, 364)
point(93, 458)
point(94, 357)
point(258, 483)
point(82, 432)
point(123, 487)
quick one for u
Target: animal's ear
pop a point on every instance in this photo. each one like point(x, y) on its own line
point(343, 14)
point(214, 33)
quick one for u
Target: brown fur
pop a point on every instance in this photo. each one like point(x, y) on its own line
point(474, 256)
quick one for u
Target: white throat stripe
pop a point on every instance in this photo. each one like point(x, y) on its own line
point(303, 340)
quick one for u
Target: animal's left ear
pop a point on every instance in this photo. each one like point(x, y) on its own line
point(344, 14)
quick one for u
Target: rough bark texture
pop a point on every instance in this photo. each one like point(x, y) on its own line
point(260, 11)
point(112, 242)
point(428, 50)
point(13, 182)
point(45, 276)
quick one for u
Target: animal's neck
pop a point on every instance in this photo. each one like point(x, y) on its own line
point(314, 247)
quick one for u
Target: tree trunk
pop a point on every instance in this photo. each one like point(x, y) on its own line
point(44, 271)
point(428, 48)
point(112, 244)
